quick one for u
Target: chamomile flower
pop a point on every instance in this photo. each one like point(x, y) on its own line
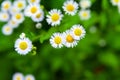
point(85, 4)
point(29, 77)
point(84, 14)
point(33, 1)
point(13, 10)
point(4, 16)
point(20, 4)
point(13, 23)
point(78, 32)
point(23, 45)
point(57, 40)
point(54, 18)
point(39, 16)
point(31, 10)
point(115, 2)
point(7, 29)
point(69, 39)
point(18, 76)
point(70, 7)
point(18, 17)
point(6, 5)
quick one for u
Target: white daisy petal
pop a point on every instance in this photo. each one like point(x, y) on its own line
point(33, 1)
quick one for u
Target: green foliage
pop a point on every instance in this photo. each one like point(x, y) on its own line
point(87, 61)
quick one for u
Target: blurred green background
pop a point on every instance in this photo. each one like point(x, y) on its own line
point(96, 57)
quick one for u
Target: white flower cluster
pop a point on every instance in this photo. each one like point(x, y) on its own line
point(55, 16)
point(23, 45)
point(69, 38)
point(14, 13)
point(20, 76)
point(84, 13)
point(116, 3)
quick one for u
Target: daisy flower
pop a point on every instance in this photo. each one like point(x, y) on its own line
point(6, 5)
point(31, 10)
point(33, 1)
point(13, 10)
point(70, 7)
point(13, 23)
point(54, 18)
point(4, 16)
point(39, 16)
point(115, 2)
point(84, 14)
point(69, 39)
point(57, 40)
point(85, 4)
point(29, 77)
point(78, 32)
point(7, 29)
point(18, 17)
point(20, 4)
point(18, 76)
point(23, 45)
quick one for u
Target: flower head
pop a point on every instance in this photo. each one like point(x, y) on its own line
point(57, 40)
point(4, 16)
point(115, 2)
point(7, 29)
point(39, 16)
point(69, 39)
point(6, 5)
point(20, 4)
point(18, 17)
point(18, 76)
point(85, 4)
point(31, 10)
point(29, 77)
point(23, 45)
point(33, 1)
point(84, 14)
point(78, 32)
point(70, 7)
point(54, 18)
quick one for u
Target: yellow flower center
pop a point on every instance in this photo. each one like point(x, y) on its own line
point(38, 15)
point(33, 9)
point(69, 38)
point(29, 78)
point(70, 7)
point(6, 6)
point(20, 5)
point(55, 17)
point(7, 28)
point(18, 16)
point(57, 40)
point(116, 1)
point(13, 22)
point(77, 32)
point(18, 78)
point(4, 16)
point(23, 45)
point(84, 14)
point(32, 1)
